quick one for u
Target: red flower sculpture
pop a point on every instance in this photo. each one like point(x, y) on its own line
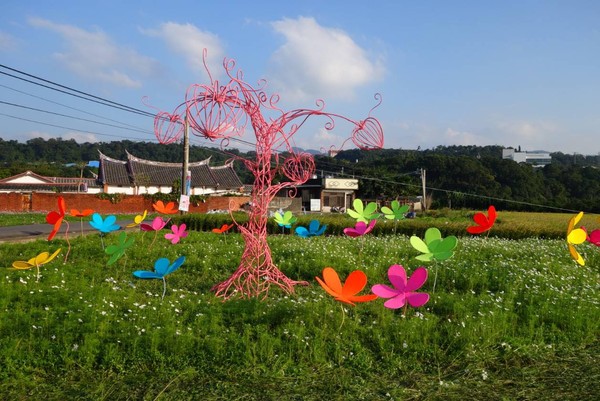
point(484, 223)
point(56, 218)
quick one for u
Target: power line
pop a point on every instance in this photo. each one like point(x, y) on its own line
point(73, 117)
point(90, 97)
point(63, 127)
point(68, 107)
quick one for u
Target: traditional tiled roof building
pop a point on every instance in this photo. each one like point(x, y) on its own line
point(139, 176)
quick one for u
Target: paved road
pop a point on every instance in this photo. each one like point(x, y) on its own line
point(40, 231)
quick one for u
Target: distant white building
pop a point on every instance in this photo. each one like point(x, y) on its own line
point(537, 158)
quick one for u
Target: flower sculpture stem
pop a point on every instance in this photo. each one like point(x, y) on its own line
point(68, 242)
point(221, 111)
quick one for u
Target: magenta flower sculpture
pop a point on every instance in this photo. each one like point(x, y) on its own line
point(177, 234)
point(404, 290)
point(157, 224)
point(361, 228)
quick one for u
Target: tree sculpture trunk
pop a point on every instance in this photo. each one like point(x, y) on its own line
point(257, 271)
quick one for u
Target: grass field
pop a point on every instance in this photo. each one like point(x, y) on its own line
point(509, 320)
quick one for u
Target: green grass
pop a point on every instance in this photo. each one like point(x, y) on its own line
point(510, 320)
point(514, 225)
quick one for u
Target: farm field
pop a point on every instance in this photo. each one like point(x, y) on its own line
point(509, 320)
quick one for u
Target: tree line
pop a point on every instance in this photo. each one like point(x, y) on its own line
point(474, 177)
point(457, 176)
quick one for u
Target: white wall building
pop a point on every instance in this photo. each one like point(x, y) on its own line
point(536, 158)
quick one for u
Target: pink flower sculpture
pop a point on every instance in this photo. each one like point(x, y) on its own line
point(594, 237)
point(178, 233)
point(404, 290)
point(361, 228)
point(157, 224)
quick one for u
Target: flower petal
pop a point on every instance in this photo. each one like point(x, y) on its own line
point(417, 279)
point(383, 291)
point(355, 282)
point(396, 302)
point(397, 276)
point(332, 280)
point(416, 299)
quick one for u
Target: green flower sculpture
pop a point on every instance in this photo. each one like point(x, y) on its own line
point(363, 213)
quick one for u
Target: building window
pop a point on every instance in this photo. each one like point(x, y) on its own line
point(333, 199)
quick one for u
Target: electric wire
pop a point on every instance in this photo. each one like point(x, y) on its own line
point(69, 107)
point(77, 93)
point(72, 117)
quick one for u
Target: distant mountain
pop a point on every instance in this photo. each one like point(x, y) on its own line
point(310, 151)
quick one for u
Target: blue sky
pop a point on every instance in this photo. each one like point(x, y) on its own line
point(512, 73)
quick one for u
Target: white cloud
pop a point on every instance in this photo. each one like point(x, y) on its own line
point(455, 137)
point(80, 137)
point(7, 42)
point(530, 134)
point(322, 140)
point(94, 55)
point(319, 62)
point(529, 130)
point(37, 134)
point(189, 42)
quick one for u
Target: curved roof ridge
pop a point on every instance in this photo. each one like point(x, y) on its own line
point(229, 164)
point(164, 164)
point(103, 156)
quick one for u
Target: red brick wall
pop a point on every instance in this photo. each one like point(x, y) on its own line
point(13, 202)
point(43, 202)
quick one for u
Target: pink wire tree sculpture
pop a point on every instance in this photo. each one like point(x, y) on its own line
point(220, 112)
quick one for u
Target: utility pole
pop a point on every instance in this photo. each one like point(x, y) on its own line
point(185, 190)
point(424, 201)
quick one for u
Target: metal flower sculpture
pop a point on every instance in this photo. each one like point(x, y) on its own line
point(220, 111)
point(363, 213)
point(314, 229)
point(39, 260)
point(575, 236)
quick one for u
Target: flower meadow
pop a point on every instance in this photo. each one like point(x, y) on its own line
point(509, 319)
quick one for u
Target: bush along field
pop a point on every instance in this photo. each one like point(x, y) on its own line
point(508, 320)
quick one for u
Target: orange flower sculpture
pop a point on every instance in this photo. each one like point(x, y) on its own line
point(224, 227)
point(81, 215)
point(169, 208)
point(354, 284)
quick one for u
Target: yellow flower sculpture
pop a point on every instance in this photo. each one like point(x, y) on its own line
point(575, 236)
point(38, 261)
point(138, 219)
